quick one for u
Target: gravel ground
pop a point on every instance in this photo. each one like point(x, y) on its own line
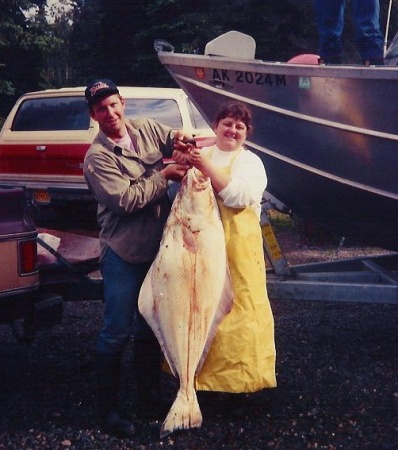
point(337, 384)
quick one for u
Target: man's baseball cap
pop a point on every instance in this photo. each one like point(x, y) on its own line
point(99, 89)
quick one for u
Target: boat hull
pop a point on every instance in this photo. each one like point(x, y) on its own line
point(327, 135)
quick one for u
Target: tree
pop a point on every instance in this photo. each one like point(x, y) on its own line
point(27, 45)
point(58, 25)
point(74, 41)
point(12, 27)
point(85, 51)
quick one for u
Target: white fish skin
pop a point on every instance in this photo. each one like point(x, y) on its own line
point(187, 292)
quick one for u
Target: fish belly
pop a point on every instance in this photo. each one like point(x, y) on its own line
point(184, 297)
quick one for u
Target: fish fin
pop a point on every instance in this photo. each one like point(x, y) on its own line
point(228, 295)
point(146, 304)
point(146, 307)
point(170, 363)
point(224, 308)
point(184, 413)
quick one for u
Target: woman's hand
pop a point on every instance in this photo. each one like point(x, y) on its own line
point(198, 159)
point(202, 161)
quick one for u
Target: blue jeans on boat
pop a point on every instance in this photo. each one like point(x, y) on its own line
point(329, 16)
point(122, 282)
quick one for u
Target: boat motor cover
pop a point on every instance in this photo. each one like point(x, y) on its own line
point(232, 44)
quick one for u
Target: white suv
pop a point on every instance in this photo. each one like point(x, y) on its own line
point(47, 133)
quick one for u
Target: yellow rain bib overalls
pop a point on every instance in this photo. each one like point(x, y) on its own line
point(242, 355)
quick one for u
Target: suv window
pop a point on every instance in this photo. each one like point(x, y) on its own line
point(196, 117)
point(165, 111)
point(71, 113)
point(53, 113)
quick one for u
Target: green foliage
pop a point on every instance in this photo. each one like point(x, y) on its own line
point(31, 49)
point(123, 45)
point(77, 40)
point(6, 88)
point(281, 221)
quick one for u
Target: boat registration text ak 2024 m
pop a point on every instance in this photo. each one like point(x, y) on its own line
point(237, 76)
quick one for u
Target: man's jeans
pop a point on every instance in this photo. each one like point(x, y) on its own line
point(329, 15)
point(122, 283)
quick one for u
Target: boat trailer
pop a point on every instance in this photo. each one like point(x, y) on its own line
point(365, 279)
point(69, 264)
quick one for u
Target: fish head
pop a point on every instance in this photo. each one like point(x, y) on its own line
point(196, 196)
point(195, 181)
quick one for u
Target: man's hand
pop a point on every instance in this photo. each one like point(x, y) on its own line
point(182, 141)
point(181, 156)
point(175, 172)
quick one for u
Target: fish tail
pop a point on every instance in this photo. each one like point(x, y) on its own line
point(184, 413)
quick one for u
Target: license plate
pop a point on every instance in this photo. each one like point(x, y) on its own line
point(41, 197)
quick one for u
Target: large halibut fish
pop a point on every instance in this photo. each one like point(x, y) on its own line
point(187, 291)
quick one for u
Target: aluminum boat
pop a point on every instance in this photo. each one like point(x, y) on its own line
point(327, 135)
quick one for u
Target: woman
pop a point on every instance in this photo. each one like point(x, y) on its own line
point(242, 356)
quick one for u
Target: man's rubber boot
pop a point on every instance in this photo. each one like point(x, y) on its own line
point(147, 377)
point(108, 371)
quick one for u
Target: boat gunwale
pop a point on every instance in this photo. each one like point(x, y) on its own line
point(287, 112)
point(323, 173)
point(281, 68)
point(321, 122)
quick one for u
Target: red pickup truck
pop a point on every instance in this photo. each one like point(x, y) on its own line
point(37, 277)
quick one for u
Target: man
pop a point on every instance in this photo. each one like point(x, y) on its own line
point(329, 16)
point(124, 169)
